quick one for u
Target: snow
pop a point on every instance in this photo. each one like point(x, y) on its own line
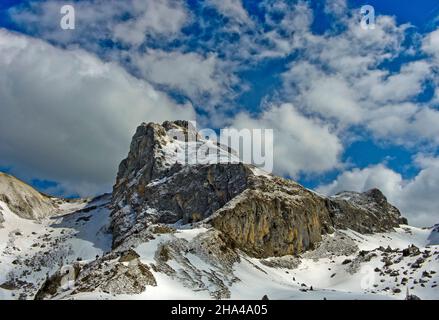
point(328, 277)
point(81, 231)
point(147, 250)
point(89, 238)
point(196, 152)
point(260, 172)
point(50, 242)
point(281, 283)
point(433, 238)
point(190, 234)
point(400, 238)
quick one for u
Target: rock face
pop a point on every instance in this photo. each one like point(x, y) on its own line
point(23, 200)
point(364, 212)
point(210, 247)
point(260, 214)
point(274, 217)
point(114, 273)
point(189, 195)
point(154, 185)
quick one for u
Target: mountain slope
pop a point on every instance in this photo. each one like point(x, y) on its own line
point(30, 249)
point(24, 200)
point(177, 228)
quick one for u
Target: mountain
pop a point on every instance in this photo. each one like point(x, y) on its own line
point(261, 214)
point(31, 249)
point(24, 200)
point(215, 228)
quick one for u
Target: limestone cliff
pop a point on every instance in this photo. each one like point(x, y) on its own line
point(260, 214)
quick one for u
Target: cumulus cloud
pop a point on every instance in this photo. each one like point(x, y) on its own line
point(405, 124)
point(340, 77)
point(67, 116)
point(335, 86)
point(416, 198)
point(431, 43)
point(336, 7)
point(129, 22)
point(232, 9)
point(162, 17)
point(202, 78)
point(301, 144)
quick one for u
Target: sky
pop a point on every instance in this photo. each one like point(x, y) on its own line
point(351, 108)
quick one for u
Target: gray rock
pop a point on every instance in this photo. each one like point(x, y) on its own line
point(365, 212)
point(286, 262)
point(262, 215)
point(411, 250)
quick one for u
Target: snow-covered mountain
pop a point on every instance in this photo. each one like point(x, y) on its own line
point(215, 229)
point(24, 200)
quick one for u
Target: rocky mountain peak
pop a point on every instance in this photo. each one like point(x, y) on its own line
point(261, 214)
point(158, 150)
point(376, 194)
point(196, 224)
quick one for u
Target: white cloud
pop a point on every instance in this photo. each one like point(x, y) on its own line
point(329, 96)
point(416, 198)
point(67, 116)
point(203, 79)
point(405, 124)
point(301, 144)
point(332, 98)
point(337, 81)
point(359, 180)
point(430, 43)
point(129, 22)
point(401, 86)
point(160, 17)
point(336, 7)
point(232, 9)
point(340, 77)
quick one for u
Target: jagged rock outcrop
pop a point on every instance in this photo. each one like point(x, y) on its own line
point(274, 217)
point(155, 186)
point(114, 273)
point(261, 214)
point(211, 247)
point(24, 200)
point(189, 195)
point(54, 284)
point(364, 212)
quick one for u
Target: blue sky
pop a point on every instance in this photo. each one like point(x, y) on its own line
point(351, 108)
